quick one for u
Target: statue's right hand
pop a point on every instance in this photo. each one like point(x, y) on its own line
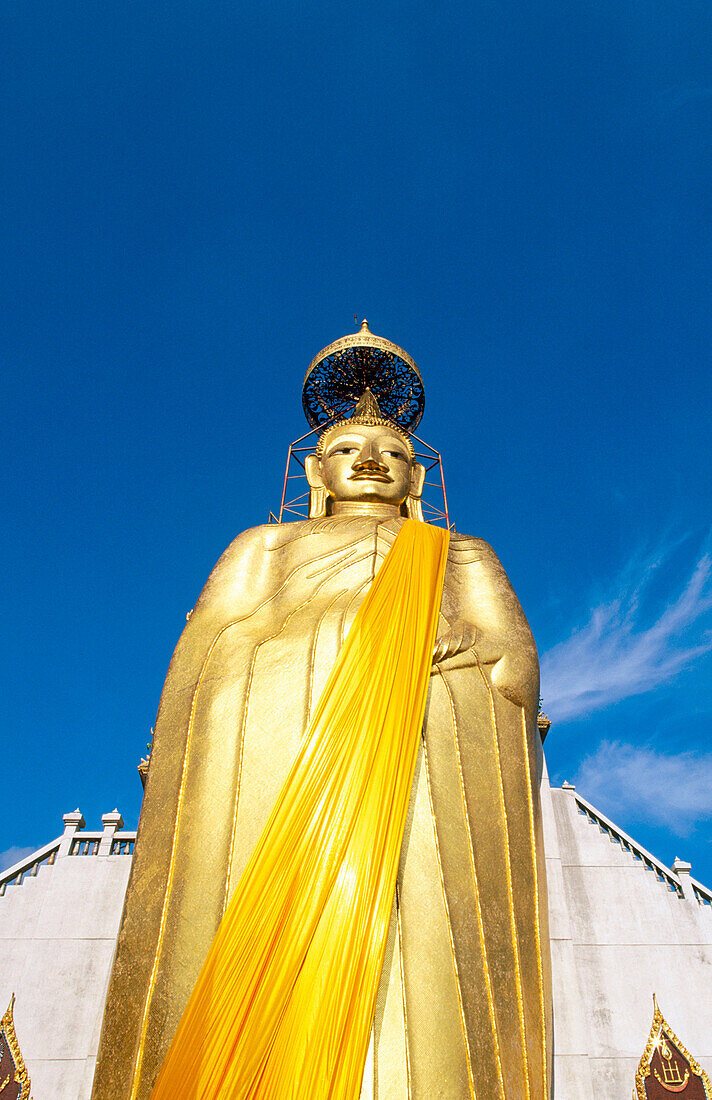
point(459, 637)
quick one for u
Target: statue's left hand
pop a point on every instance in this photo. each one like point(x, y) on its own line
point(460, 636)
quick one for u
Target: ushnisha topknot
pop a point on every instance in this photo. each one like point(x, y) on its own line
point(367, 411)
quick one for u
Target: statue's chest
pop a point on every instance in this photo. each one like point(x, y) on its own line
point(323, 578)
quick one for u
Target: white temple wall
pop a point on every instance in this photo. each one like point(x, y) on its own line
point(58, 932)
point(620, 931)
point(571, 1070)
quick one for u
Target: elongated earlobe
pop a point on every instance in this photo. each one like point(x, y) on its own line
point(413, 505)
point(317, 491)
point(317, 503)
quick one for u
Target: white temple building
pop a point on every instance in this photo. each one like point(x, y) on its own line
point(623, 926)
point(59, 918)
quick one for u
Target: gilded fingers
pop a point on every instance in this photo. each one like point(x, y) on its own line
point(460, 637)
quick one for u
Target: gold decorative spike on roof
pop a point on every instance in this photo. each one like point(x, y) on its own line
point(544, 724)
point(14, 1078)
point(142, 767)
point(668, 1068)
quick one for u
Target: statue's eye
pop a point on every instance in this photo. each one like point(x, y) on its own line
point(343, 451)
point(394, 454)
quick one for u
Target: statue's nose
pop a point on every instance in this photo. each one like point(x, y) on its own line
point(368, 459)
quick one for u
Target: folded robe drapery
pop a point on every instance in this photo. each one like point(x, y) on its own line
point(283, 1005)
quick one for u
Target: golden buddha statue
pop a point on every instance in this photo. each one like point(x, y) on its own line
point(463, 1008)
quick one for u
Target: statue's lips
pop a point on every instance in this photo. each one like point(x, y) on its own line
point(372, 475)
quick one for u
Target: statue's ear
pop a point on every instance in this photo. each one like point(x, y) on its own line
point(317, 490)
point(417, 481)
point(312, 468)
point(413, 506)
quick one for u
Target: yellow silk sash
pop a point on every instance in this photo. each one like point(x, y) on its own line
point(283, 1006)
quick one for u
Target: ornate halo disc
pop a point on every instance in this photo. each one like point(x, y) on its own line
point(338, 376)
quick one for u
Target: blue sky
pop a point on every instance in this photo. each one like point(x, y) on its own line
point(198, 197)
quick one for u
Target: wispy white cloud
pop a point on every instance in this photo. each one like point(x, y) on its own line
point(631, 781)
point(618, 654)
point(13, 855)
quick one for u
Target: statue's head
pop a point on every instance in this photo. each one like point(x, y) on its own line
point(365, 459)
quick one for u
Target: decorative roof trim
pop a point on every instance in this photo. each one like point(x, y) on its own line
point(660, 1026)
point(7, 1029)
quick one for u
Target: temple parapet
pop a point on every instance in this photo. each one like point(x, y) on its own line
point(59, 914)
point(74, 841)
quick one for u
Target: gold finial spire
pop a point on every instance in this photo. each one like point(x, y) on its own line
point(364, 326)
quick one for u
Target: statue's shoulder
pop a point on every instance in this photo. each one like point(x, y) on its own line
point(268, 537)
point(274, 536)
point(465, 548)
point(254, 538)
point(244, 566)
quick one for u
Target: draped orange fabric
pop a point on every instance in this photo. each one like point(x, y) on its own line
point(283, 1006)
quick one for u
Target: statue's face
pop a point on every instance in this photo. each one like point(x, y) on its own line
point(366, 462)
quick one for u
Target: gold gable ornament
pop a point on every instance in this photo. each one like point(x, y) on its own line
point(14, 1079)
point(667, 1068)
